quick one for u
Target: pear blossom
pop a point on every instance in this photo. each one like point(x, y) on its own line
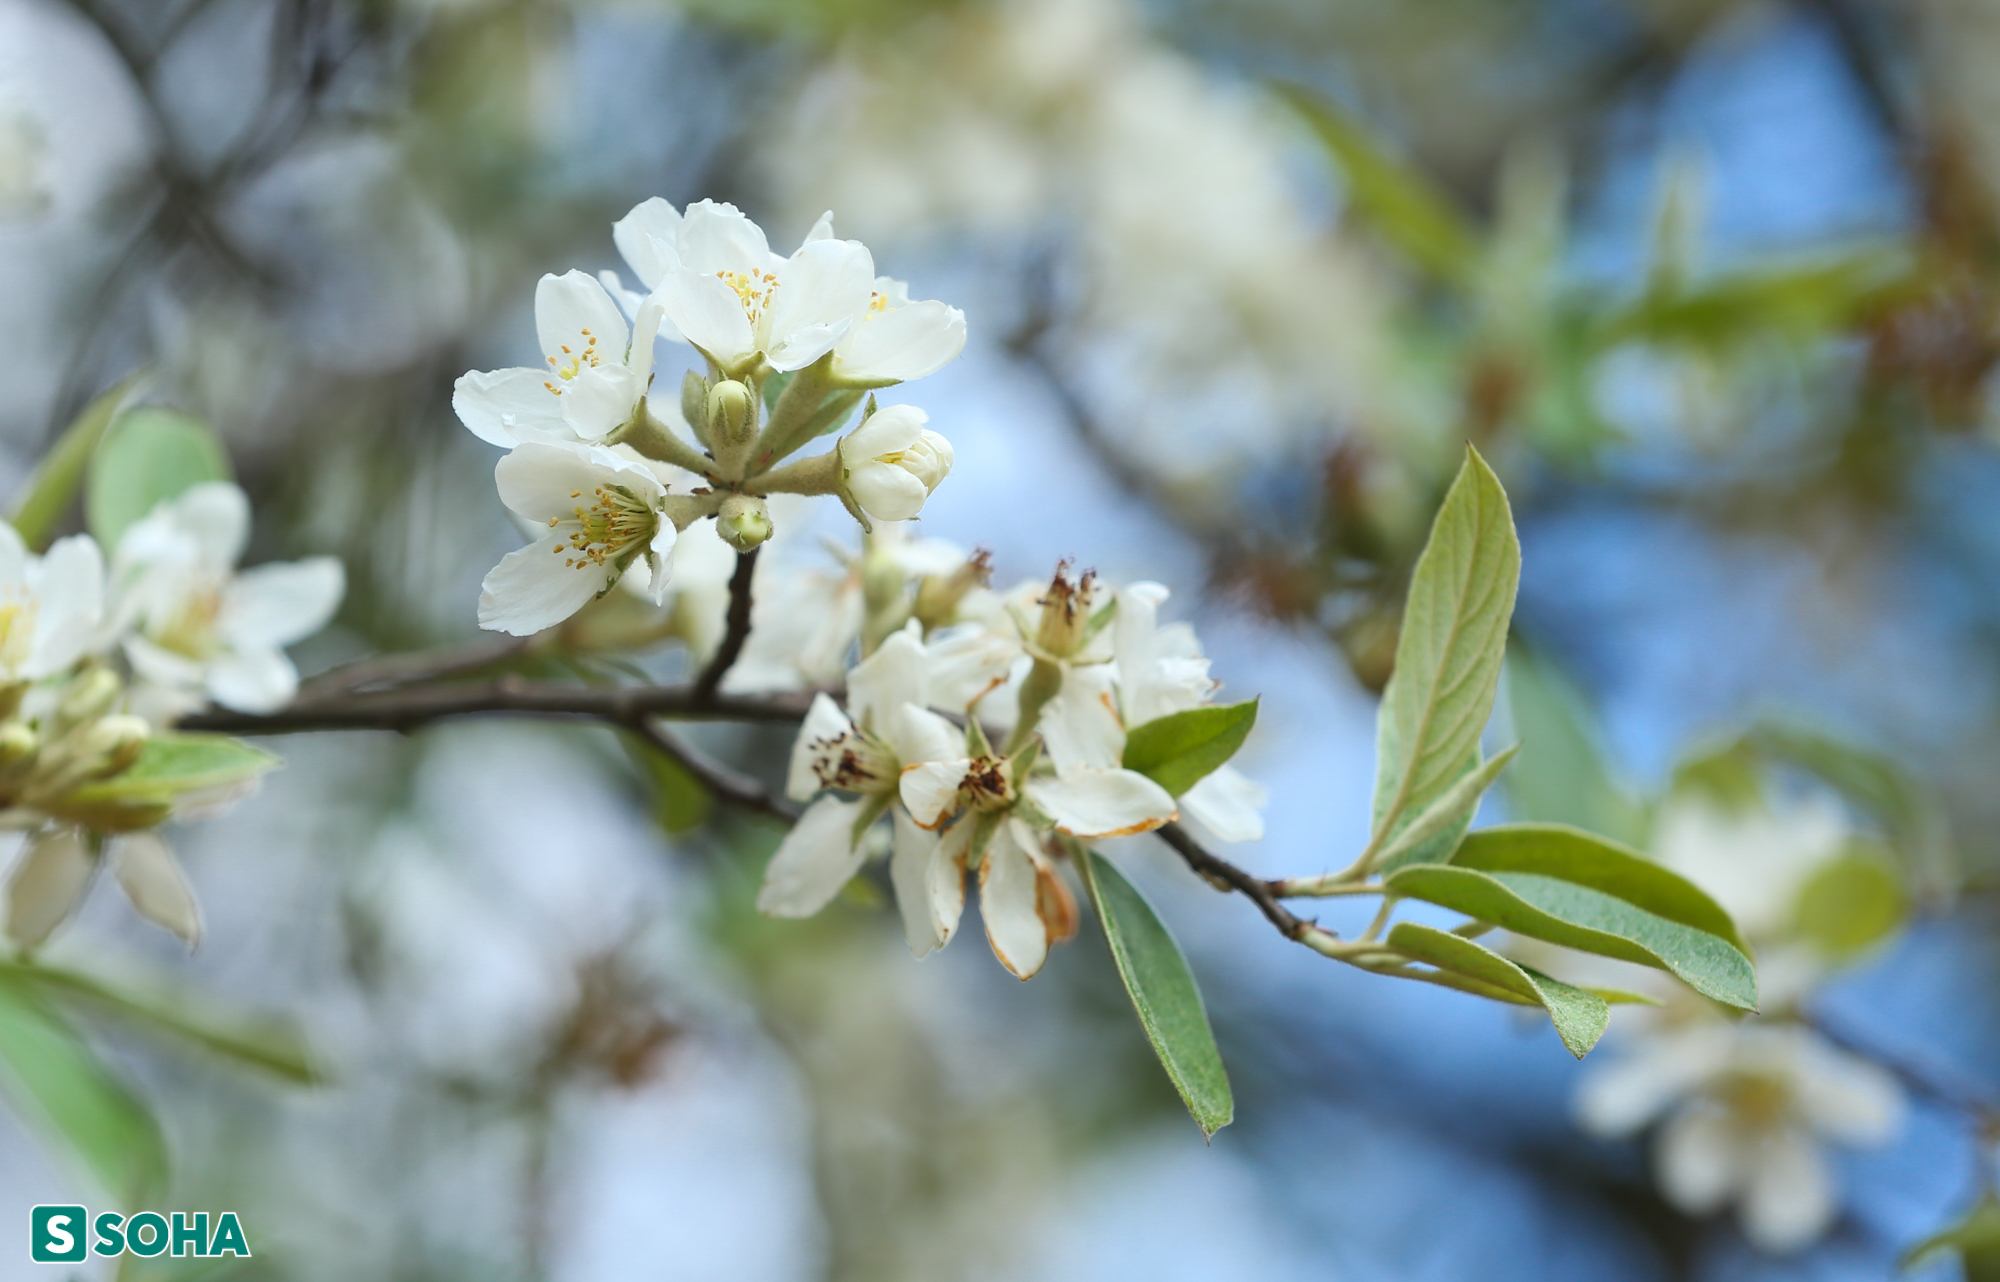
point(598, 370)
point(891, 463)
point(862, 756)
point(729, 296)
point(602, 513)
point(1755, 860)
point(51, 606)
point(1749, 1109)
point(190, 622)
point(895, 340)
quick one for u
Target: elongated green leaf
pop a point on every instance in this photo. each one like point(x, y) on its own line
point(175, 763)
point(1163, 992)
point(1178, 750)
point(1574, 916)
point(1448, 657)
point(1562, 776)
point(1433, 835)
point(1580, 1017)
point(54, 1078)
point(1974, 1239)
point(269, 1044)
point(1399, 204)
point(1568, 854)
point(48, 493)
point(147, 455)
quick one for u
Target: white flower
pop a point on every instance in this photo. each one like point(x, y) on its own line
point(597, 374)
point(865, 756)
point(895, 340)
point(1163, 671)
point(731, 297)
point(190, 621)
point(602, 512)
point(1080, 799)
point(1754, 861)
point(892, 462)
point(51, 606)
point(23, 149)
point(1748, 1107)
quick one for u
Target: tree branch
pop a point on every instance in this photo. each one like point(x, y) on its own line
point(1224, 875)
point(738, 631)
point(732, 786)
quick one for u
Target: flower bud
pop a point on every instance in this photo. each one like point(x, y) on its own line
point(743, 521)
point(18, 742)
point(694, 404)
point(113, 744)
point(89, 695)
point(731, 412)
point(891, 463)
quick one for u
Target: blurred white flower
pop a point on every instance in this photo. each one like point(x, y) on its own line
point(1748, 1108)
point(1755, 859)
point(602, 513)
point(190, 622)
point(22, 148)
point(598, 371)
point(892, 463)
point(51, 606)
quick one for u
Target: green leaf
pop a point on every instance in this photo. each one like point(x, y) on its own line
point(174, 763)
point(39, 507)
point(271, 1045)
point(1163, 992)
point(1448, 657)
point(1561, 776)
point(1850, 903)
point(1432, 836)
point(1401, 205)
point(1568, 854)
point(1974, 1239)
point(1580, 1017)
point(1562, 912)
point(55, 1079)
point(147, 456)
point(1179, 750)
point(681, 803)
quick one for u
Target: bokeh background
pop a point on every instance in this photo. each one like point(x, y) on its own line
point(1714, 284)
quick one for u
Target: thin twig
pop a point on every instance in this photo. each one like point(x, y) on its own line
point(731, 785)
point(407, 669)
point(1222, 873)
point(738, 630)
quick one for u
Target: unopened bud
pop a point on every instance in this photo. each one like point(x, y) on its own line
point(89, 695)
point(694, 404)
point(732, 414)
point(743, 521)
point(113, 744)
point(18, 742)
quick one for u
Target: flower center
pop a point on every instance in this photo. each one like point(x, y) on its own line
point(588, 358)
point(853, 762)
point(878, 302)
point(1756, 1100)
point(17, 631)
point(612, 524)
point(753, 289)
point(190, 629)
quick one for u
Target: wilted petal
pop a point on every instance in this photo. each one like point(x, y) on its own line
point(47, 884)
point(918, 734)
point(507, 406)
point(900, 344)
point(1025, 908)
point(929, 877)
point(818, 856)
point(152, 879)
point(964, 663)
point(1103, 803)
point(930, 790)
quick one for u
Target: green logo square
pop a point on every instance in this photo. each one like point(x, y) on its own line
point(56, 1233)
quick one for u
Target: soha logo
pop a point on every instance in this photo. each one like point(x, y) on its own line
point(56, 1234)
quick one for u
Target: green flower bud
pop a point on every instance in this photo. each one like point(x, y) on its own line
point(18, 742)
point(89, 695)
point(731, 414)
point(743, 521)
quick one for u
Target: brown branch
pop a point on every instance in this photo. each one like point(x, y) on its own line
point(1222, 874)
point(732, 786)
point(738, 631)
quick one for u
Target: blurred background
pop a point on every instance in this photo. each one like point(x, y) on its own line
point(1715, 285)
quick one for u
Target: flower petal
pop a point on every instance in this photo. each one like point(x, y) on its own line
point(281, 602)
point(47, 884)
point(717, 237)
point(886, 679)
point(709, 315)
point(1227, 805)
point(900, 344)
point(820, 289)
point(1011, 900)
point(575, 317)
point(544, 479)
point(817, 857)
point(1080, 724)
point(69, 585)
point(216, 515)
point(152, 879)
point(649, 239)
point(533, 589)
point(824, 723)
point(1788, 1198)
point(918, 735)
point(889, 430)
point(256, 679)
point(930, 790)
point(507, 406)
point(1103, 803)
point(887, 492)
point(911, 865)
point(964, 662)
point(597, 402)
point(1698, 1159)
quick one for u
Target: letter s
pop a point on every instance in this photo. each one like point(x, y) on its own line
point(60, 1240)
point(109, 1240)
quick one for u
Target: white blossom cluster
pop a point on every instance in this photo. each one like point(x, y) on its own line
point(610, 474)
point(96, 660)
point(1047, 679)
